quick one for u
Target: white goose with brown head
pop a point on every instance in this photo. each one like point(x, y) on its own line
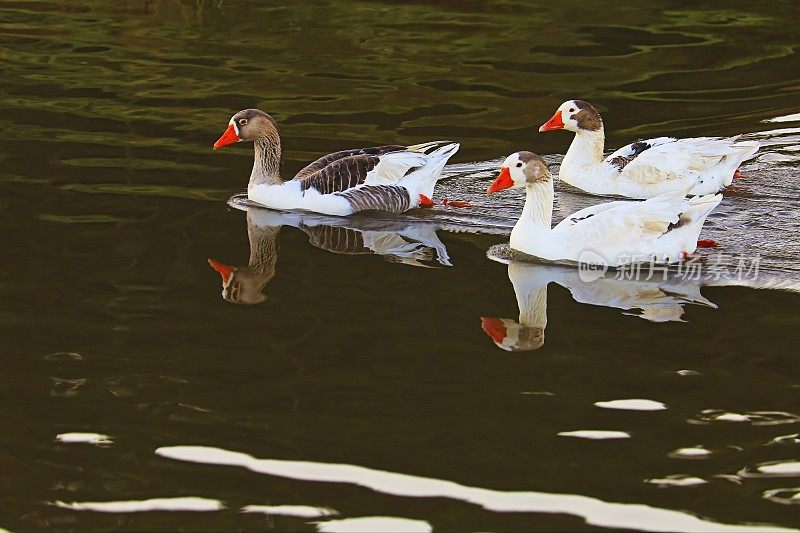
point(644, 169)
point(660, 230)
point(386, 178)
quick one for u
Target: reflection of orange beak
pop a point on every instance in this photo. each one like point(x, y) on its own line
point(224, 270)
point(494, 327)
point(555, 123)
point(502, 182)
point(229, 137)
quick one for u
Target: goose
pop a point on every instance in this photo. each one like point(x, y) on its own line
point(660, 230)
point(388, 178)
point(647, 168)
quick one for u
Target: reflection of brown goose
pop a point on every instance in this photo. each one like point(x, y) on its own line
point(414, 244)
point(658, 300)
point(245, 285)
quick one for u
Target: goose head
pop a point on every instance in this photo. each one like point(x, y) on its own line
point(249, 125)
point(574, 115)
point(520, 169)
point(511, 336)
point(241, 285)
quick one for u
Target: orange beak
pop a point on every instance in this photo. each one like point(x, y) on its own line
point(229, 137)
point(494, 327)
point(502, 182)
point(224, 270)
point(555, 123)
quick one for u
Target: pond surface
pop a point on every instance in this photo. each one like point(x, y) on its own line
point(333, 381)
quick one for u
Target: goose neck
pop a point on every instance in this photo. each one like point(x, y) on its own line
point(267, 162)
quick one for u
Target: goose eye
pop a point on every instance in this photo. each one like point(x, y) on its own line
point(519, 165)
point(242, 121)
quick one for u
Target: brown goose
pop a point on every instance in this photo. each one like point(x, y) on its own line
point(388, 178)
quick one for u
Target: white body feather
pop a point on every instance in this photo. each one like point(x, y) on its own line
point(390, 170)
point(701, 165)
point(661, 230)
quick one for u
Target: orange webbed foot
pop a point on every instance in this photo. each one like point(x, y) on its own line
point(425, 202)
point(456, 203)
point(707, 243)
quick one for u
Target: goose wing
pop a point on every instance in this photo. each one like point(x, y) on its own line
point(669, 159)
point(351, 171)
point(315, 166)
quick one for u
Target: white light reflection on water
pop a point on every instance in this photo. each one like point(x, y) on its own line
point(677, 480)
point(632, 405)
point(300, 511)
point(755, 418)
point(788, 496)
point(185, 503)
point(694, 452)
point(592, 510)
point(84, 438)
point(773, 469)
point(595, 434)
point(369, 524)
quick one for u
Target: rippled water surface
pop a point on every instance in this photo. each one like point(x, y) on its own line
point(384, 372)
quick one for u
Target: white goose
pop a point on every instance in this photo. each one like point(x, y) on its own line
point(387, 178)
point(661, 230)
point(644, 169)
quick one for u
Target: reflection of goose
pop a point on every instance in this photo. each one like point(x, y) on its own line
point(245, 284)
point(387, 178)
point(643, 169)
point(411, 243)
point(658, 300)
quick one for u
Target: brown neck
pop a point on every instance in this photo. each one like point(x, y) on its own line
point(267, 162)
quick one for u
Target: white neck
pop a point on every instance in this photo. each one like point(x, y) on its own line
point(538, 210)
point(532, 232)
point(584, 155)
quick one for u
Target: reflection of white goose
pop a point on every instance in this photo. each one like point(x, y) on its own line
point(658, 300)
point(411, 243)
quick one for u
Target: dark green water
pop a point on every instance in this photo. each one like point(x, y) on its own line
point(112, 201)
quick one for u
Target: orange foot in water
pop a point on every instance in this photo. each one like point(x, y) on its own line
point(424, 201)
point(707, 243)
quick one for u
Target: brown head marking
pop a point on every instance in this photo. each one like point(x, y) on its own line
point(534, 167)
point(587, 116)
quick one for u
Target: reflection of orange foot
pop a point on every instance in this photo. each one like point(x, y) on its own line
point(707, 243)
point(424, 201)
point(734, 189)
point(456, 203)
point(738, 175)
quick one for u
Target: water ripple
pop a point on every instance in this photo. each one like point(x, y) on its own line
point(594, 511)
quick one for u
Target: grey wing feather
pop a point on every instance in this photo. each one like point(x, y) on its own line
point(324, 161)
point(340, 175)
point(390, 198)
